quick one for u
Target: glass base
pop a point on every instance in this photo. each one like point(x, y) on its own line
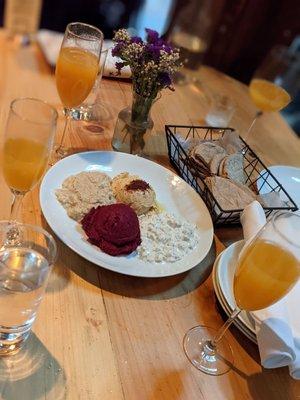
point(58, 153)
point(96, 112)
point(61, 152)
point(12, 339)
point(12, 235)
point(216, 361)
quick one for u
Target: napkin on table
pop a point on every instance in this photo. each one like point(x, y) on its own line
point(278, 326)
point(50, 43)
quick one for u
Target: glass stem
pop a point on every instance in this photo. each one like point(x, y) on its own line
point(67, 119)
point(213, 343)
point(258, 114)
point(16, 203)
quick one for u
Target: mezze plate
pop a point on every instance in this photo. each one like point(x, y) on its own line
point(176, 197)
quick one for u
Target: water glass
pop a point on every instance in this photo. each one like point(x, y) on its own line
point(22, 18)
point(220, 112)
point(25, 264)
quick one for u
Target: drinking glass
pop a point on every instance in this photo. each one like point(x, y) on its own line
point(92, 109)
point(193, 39)
point(24, 270)
point(22, 19)
point(27, 145)
point(76, 69)
point(267, 96)
point(267, 269)
point(220, 111)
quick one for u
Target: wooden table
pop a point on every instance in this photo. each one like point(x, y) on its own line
point(101, 335)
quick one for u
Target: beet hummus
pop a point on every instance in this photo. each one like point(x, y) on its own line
point(114, 228)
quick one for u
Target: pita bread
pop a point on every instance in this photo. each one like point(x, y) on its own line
point(232, 167)
point(215, 163)
point(229, 194)
point(205, 152)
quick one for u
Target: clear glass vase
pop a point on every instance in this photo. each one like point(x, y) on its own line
point(133, 126)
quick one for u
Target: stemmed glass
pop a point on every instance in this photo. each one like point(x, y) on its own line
point(76, 69)
point(27, 145)
point(92, 110)
point(267, 270)
point(267, 97)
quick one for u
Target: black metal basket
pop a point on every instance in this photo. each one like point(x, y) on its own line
point(258, 175)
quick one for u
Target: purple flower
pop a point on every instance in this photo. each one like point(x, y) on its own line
point(152, 61)
point(136, 39)
point(119, 66)
point(153, 51)
point(152, 36)
point(167, 48)
point(164, 79)
point(116, 51)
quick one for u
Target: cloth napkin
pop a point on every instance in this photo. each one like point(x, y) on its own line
point(50, 42)
point(278, 326)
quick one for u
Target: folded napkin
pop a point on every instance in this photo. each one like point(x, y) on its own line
point(278, 326)
point(50, 42)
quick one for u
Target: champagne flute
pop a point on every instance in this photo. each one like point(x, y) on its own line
point(267, 270)
point(27, 145)
point(267, 97)
point(76, 69)
point(92, 110)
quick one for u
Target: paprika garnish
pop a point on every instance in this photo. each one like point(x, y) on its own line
point(138, 184)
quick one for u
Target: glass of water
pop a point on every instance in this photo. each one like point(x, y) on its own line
point(25, 264)
point(221, 111)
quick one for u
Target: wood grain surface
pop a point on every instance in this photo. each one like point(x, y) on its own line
point(102, 335)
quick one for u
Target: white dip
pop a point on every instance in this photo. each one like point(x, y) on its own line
point(166, 238)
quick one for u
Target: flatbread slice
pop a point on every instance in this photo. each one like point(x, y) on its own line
point(233, 168)
point(204, 152)
point(229, 194)
point(215, 163)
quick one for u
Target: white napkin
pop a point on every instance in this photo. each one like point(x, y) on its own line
point(278, 326)
point(50, 42)
point(109, 67)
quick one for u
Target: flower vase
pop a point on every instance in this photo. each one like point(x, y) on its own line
point(133, 126)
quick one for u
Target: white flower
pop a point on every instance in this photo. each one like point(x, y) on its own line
point(121, 36)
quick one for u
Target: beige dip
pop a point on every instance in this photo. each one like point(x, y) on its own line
point(81, 192)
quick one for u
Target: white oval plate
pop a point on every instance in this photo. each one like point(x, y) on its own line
point(289, 177)
point(172, 192)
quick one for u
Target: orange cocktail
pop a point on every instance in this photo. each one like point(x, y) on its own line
point(260, 279)
point(76, 72)
point(24, 162)
point(267, 96)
